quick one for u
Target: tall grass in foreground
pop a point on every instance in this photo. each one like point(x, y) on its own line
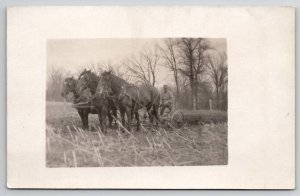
point(72, 146)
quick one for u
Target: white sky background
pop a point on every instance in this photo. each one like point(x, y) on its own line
point(73, 54)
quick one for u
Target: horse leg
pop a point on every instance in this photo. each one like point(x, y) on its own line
point(86, 120)
point(103, 126)
point(137, 117)
point(102, 121)
point(81, 117)
point(114, 113)
point(132, 113)
point(148, 107)
point(128, 114)
point(162, 109)
point(155, 114)
point(144, 116)
point(122, 113)
point(110, 119)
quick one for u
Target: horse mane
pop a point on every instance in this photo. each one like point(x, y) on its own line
point(116, 82)
point(118, 79)
point(94, 76)
point(93, 80)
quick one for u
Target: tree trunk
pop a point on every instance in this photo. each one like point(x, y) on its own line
point(176, 83)
point(192, 80)
point(194, 100)
point(153, 77)
point(196, 91)
point(177, 88)
point(217, 94)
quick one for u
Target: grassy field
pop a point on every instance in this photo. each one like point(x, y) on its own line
point(70, 146)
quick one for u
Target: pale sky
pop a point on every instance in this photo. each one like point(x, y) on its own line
point(73, 54)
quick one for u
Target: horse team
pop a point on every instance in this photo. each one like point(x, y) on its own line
point(108, 93)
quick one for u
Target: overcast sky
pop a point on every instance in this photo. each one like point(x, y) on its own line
point(73, 54)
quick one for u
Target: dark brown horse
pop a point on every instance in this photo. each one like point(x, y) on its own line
point(71, 85)
point(113, 91)
point(103, 104)
point(130, 98)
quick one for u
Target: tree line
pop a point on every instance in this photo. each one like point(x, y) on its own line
point(199, 72)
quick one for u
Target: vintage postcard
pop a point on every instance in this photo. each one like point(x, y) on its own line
point(151, 97)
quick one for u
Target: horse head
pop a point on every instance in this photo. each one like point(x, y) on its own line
point(103, 86)
point(69, 85)
point(85, 80)
point(109, 81)
point(106, 75)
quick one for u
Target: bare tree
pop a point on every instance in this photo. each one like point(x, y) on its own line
point(143, 67)
point(217, 70)
point(203, 87)
point(119, 71)
point(224, 90)
point(171, 59)
point(191, 65)
point(55, 77)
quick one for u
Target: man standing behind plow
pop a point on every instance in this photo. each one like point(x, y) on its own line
point(167, 100)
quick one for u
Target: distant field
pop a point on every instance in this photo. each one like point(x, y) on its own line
point(70, 146)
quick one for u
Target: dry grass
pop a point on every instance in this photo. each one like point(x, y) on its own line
point(70, 146)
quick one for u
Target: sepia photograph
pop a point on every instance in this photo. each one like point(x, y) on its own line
point(139, 97)
point(136, 102)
